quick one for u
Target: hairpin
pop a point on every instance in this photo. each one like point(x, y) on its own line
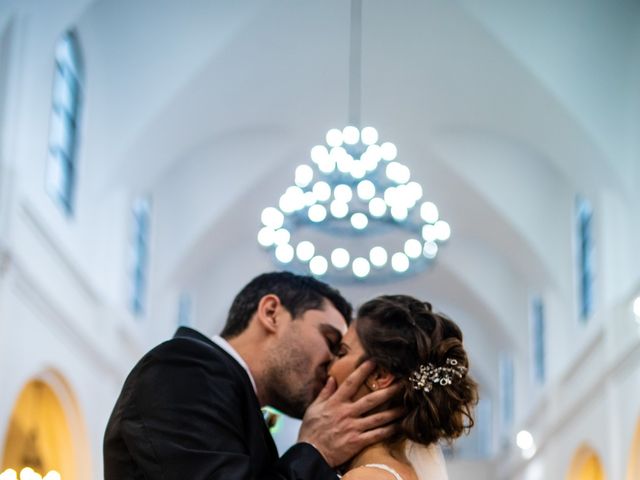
point(428, 375)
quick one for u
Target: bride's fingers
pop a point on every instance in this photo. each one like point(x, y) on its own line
point(380, 419)
point(375, 399)
point(350, 386)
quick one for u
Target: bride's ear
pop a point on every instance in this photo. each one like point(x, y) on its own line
point(381, 378)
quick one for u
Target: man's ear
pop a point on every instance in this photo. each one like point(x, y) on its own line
point(267, 312)
point(381, 378)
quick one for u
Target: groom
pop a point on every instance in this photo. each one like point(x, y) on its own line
point(190, 409)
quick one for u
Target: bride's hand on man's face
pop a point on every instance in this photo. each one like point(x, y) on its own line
point(339, 427)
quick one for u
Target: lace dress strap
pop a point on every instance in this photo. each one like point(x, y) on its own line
point(387, 468)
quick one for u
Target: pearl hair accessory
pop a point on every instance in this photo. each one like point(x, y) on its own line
point(426, 376)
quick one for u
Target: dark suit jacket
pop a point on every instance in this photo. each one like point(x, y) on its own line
point(188, 411)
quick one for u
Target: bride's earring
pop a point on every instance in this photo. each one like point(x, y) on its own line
point(374, 386)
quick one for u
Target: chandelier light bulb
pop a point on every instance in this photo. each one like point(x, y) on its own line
point(375, 152)
point(443, 230)
point(429, 233)
point(413, 248)
point(334, 137)
point(345, 163)
point(305, 250)
point(327, 165)
point(281, 236)
point(430, 250)
point(52, 475)
point(429, 212)
point(358, 169)
point(340, 258)
point(399, 213)
point(272, 217)
point(284, 253)
point(366, 190)
point(378, 256)
point(318, 265)
point(322, 191)
point(415, 190)
point(361, 267)
point(266, 238)
point(377, 207)
point(359, 221)
point(388, 151)
point(636, 308)
point(369, 135)
point(309, 199)
point(398, 172)
point(400, 262)
point(350, 135)
point(343, 193)
point(9, 474)
point(339, 209)
point(304, 175)
point(317, 213)
point(390, 196)
point(319, 153)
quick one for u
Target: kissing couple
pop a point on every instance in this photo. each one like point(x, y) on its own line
point(376, 394)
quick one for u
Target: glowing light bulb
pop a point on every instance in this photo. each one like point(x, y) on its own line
point(413, 248)
point(317, 213)
point(350, 135)
point(429, 212)
point(361, 267)
point(318, 265)
point(366, 190)
point(443, 230)
point(266, 238)
point(340, 257)
point(359, 221)
point(303, 175)
point(378, 256)
point(305, 250)
point(334, 137)
point(400, 262)
point(272, 217)
point(284, 253)
point(369, 135)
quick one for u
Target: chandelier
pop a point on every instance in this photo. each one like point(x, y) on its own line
point(353, 211)
point(28, 473)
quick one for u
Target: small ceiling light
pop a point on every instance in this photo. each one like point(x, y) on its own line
point(378, 256)
point(361, 267)
point(359, 221)
point(340, 257)
point(305, 250)
point(318, 265)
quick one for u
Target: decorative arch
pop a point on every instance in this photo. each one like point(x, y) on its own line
point(586, 465)
point(46, 431)
point(633, 469)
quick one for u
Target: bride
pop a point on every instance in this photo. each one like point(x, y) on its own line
point(423, 352)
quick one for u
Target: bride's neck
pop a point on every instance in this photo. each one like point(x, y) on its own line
point(378, 452)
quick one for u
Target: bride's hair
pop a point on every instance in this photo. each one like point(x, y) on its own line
point(401, 334)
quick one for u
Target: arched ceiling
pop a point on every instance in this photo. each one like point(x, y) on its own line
point(211, 106)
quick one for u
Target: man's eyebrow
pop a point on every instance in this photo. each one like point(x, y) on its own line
point(327, 329)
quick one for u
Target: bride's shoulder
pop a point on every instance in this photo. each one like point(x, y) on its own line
point(367, 473)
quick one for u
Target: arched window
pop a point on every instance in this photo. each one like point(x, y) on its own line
point(140, 238)
point(65, 114)
point(585, 257)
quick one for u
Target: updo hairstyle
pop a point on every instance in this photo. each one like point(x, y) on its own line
point(401, 333)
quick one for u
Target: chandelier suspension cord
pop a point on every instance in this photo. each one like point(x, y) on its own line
point(355, 63)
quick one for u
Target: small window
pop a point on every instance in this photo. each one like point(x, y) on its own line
point(185, 307)
point(64, 125)
point(537, 337)
point(141, 212)
point(585, 258)
point(506, 375)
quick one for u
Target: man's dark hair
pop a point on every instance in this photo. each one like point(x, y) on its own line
point(297, 293)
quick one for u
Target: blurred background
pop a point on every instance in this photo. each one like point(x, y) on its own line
point(150, 166)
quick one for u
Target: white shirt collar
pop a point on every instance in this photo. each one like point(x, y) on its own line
point(226, 346)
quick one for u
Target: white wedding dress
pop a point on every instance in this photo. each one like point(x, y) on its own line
point(428, 462)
